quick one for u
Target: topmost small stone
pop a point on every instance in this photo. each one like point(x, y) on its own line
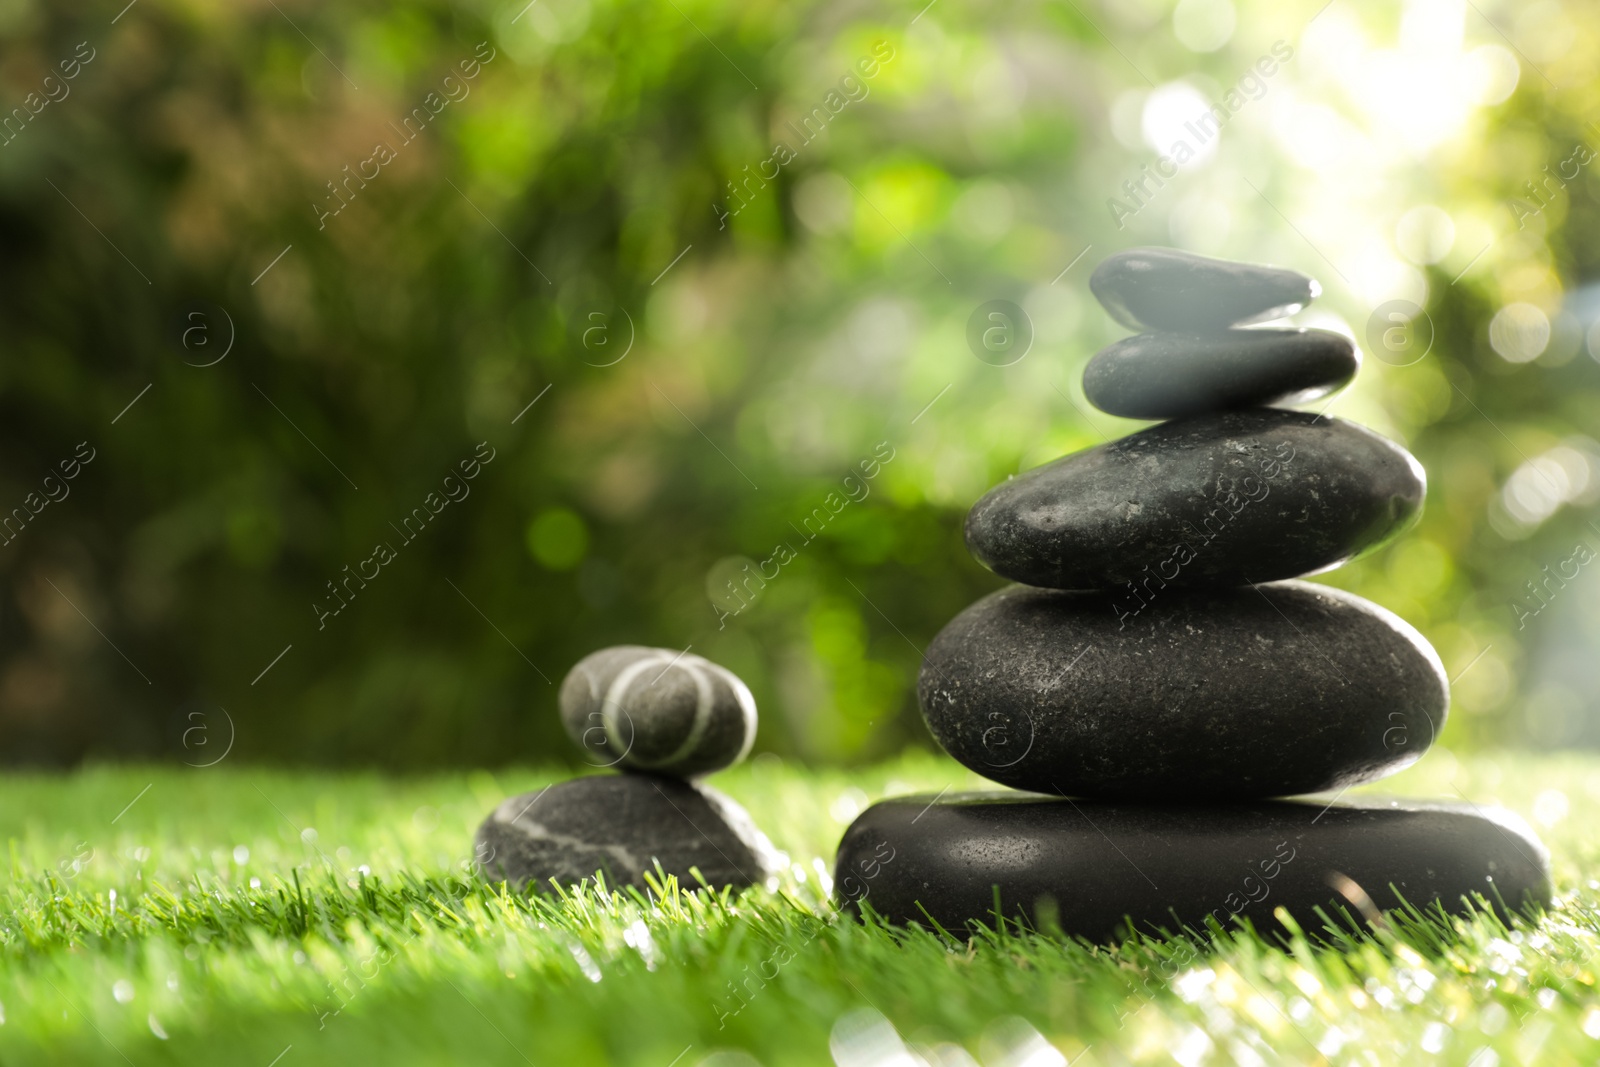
point(657, 711)
point(1168, 289)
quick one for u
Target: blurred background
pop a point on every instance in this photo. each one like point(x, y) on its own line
point(686, 288)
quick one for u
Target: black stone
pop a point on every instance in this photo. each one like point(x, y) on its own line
point(658, 710)
point(622, 825)
point(1227, 499)
point(1098, 870)
point(1202, 695)
point(1165, 289)
point(1169, 375)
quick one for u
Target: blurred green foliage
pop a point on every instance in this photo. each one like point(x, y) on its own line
point(558, 229)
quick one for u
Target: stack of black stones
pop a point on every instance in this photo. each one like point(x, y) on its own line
point(1160, 675)
point(663, 718)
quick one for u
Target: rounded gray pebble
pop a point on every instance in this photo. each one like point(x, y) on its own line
point(1170, 289)
point(658, 710)
point(621, 826)
point(1170, 375)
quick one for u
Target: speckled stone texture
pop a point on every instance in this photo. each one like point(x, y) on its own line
point(1225, 499)
point(657, 709)
point(1170, 375)
point(1167, 289)
point(622, 825)
point(1156, 679)
point(1209, 695)
point(1094, 869)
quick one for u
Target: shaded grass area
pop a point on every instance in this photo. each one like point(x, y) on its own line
point(252, 917)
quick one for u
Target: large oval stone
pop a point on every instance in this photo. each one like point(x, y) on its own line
point(1227, 499)
point(1168, 289)
point(622, 826)
point(1168, 375)
point(1098, 871)
point(1267, 691)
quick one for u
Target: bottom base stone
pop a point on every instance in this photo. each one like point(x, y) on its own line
point(1093, 868)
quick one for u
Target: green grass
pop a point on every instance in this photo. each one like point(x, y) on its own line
point(236, 932)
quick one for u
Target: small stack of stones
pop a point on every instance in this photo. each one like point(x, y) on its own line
point(1156, 665)
point(663, 718)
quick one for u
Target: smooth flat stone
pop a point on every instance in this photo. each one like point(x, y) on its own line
point(622, 825)
point(1167, 289)
point(1096, 868)
point(1203, 695)
point(660, 710)
point(1227, 499)
point(1169, 375)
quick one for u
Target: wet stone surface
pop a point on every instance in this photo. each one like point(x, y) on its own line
point(1168, 289)
point(1284, 688)
point(1170, 375)
point(622, 826)
point(1226, 499)
point(1093, 869)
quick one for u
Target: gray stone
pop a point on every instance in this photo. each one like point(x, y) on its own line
point(658, 710)
point(1167, 289)
point(622, 826)
point(1169, 375)
point(1097, 870)
point(1226, 499)
point(1199, 695)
